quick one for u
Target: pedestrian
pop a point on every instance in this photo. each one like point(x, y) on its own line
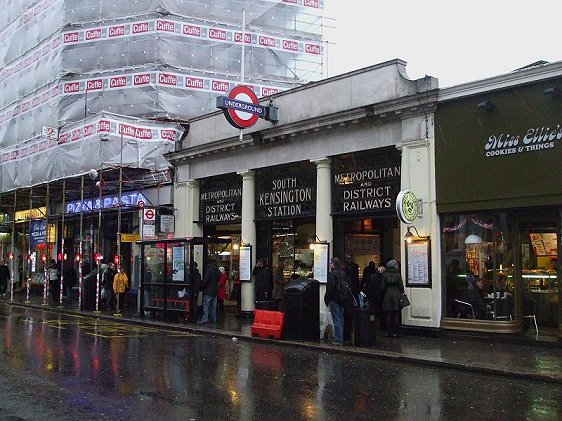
point(279, 283)
point(262, 280)
point(352, 270)
point(393, 287)
point(20, 272)
point(221, 295)
point(107, 277)
point(236, 293)
point(4, 277)
point(54, 280)
point(369, 271)
point(210, 288)
point(375, 295)
point(69, 281)
point(120, 286)
point(335, 297)
point(195, 288)
point(147, 288)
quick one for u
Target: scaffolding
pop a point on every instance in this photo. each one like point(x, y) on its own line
point(64, 60)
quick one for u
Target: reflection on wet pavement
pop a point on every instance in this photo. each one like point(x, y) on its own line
point(78, 367)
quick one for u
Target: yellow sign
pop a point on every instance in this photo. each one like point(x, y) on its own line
point(129, 238)
point(26, 215)
point(51, 233)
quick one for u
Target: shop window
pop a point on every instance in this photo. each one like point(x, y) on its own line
point(479, 266)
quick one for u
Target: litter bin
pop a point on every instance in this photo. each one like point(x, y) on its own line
point(301, 304)
point(270, 305)
point(364, 328)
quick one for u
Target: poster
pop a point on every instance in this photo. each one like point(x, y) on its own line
point(167, 224)
point(177, 264)
point(321, 259)
point(37, 231)
point(245, 263)
point(418, 264)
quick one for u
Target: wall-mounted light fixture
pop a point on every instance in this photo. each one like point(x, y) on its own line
point(313, 240)
point(409, 236)
point(553, 92)
point(485, 105)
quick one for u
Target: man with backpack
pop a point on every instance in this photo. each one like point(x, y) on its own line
point(335, 297)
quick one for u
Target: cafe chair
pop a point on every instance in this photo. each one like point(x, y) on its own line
point(463, 309)
point(529, 313)
point(502, 309)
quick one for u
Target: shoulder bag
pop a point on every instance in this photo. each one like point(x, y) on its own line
point(404, 301)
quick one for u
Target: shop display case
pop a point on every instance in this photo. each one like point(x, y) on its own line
point(542, 288)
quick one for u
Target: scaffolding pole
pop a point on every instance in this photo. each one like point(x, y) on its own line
point(47, 284)
point(80, 244)
point(62, 244)
point(13, 263)
point(27, 278)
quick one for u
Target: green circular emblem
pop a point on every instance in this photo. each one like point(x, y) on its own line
point(407, 206)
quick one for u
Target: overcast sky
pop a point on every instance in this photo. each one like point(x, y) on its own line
point(454, 41)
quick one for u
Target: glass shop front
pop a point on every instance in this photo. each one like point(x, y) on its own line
point(500, 205)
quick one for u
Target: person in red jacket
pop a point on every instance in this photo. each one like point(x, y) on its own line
point(222, 290)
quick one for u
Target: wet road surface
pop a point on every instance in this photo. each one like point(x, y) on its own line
point(68, 368)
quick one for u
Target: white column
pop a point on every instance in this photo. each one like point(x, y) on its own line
point(193, 227)
point(324, 223)
point(248, 234)
point(180, 203)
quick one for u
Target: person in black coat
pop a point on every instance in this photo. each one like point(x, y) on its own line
point(336, 303)
point(70, 279)
point(375, 295)
point(369, 271)
point(4, 277)
point(210, 288)
point(352, 271)
point(393, 287)
point(195, 288)
point(54, 280)
point(262, 279)
point(107, 277)
point(475, 297)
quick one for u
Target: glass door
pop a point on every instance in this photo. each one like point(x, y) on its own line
point(165, 281)
point(540, 284)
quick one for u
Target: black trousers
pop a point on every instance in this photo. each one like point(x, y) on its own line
point(392, 321)
point(55, 290)
point(347, 322)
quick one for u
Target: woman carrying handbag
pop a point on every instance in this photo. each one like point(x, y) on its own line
point(393, 289)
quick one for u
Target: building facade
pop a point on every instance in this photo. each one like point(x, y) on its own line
point(328, 172)
point(82, 83)
point(498, 149)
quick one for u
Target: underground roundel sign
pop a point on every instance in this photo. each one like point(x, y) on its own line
point(241, 107)
point(407, 206)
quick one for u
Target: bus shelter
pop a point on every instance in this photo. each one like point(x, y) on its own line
point(168, 284)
